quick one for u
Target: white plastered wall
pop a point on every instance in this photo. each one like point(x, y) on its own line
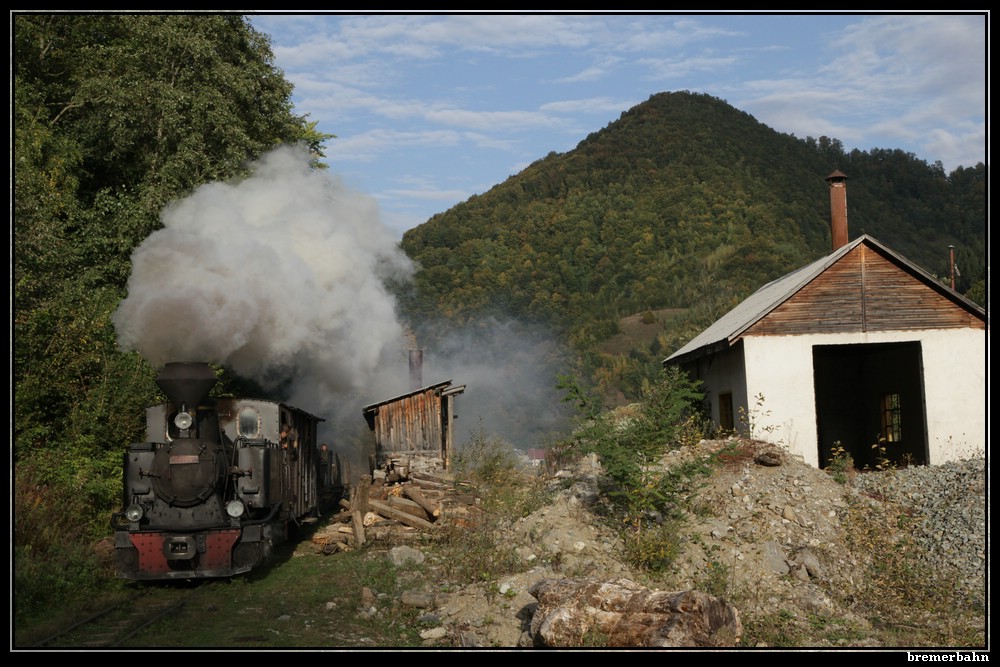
point(779, 370)
point(723, 373)
point(955, 377)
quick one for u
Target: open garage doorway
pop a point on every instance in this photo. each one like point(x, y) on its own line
point(870, 400)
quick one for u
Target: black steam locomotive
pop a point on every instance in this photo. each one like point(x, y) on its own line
point(218, 484)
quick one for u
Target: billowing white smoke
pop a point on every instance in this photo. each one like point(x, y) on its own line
point(279, 276)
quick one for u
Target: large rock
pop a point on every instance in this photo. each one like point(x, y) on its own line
point(587, 612)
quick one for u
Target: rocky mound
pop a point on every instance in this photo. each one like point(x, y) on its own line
point(795, 551)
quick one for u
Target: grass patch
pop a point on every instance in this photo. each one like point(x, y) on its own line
point(306, 600)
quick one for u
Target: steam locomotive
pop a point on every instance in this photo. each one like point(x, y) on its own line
point(219, 483)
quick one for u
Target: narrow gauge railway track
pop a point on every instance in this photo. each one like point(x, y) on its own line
point(116, 623)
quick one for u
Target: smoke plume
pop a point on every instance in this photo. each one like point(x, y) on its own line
point(281, 275)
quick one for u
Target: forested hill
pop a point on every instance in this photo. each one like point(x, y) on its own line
point(684, 202)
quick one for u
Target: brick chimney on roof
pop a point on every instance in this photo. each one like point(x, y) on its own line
point(838, 208)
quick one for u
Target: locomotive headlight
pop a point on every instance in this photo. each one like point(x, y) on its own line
point(183, 420)
point(235, 509)
point(133, 513)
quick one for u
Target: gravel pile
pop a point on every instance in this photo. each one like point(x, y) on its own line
point(949, 502)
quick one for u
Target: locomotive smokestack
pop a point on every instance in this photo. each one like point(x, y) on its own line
point(186, 383)
point(416, 369)
point(838, 208)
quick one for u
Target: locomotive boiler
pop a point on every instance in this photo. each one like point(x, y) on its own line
point(218, 483)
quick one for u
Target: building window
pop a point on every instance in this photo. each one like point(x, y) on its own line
point(726, 421)
point(892, 421)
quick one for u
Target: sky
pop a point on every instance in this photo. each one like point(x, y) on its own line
point(431, 109)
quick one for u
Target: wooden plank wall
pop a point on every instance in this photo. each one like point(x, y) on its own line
point(864, 291)
point(411, 424)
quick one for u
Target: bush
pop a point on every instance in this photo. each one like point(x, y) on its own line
point(653, 546)
point(631, 447)
point(485, 460)
point(479, 547)
point(55, 563)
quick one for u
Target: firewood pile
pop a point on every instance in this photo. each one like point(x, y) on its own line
point(413, 503)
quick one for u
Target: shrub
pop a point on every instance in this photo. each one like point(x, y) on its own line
point(480, 546)
point(54, 557)
point(652, 545)
point(631, 445)
point(485, 460)
point(841, 465)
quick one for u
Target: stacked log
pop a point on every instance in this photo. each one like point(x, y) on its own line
point(421, 502)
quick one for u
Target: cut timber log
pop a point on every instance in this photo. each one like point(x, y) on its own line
point(359, 529)
point(430, 484)
point(402, 517)
point(414, 494)
point(329, 537)
point(429, 476)
point(359, 495)
point(408, 506)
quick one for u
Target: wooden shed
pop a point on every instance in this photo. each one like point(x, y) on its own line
point(861, 349)
point(415, 429)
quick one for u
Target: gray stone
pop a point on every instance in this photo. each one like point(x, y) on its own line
point(402, 555)
point(774, 557)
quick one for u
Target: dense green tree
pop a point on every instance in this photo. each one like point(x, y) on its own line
point(114, 115)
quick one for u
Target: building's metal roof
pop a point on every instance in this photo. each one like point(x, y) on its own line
point(729, 327)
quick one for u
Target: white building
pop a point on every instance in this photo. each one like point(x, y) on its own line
point(859, 348)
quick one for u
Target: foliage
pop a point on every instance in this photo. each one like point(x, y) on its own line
point(882, 460)
point(841, 466)
point(506, 486)
point(479, 547)
point(717, 579)
point(631, 446)
point(652, 546)
point(485, 460)
point(54, 560)
point(588, 405)
point(751, 418)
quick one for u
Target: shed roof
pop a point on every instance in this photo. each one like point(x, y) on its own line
point(439, 388)
point(728, 328)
